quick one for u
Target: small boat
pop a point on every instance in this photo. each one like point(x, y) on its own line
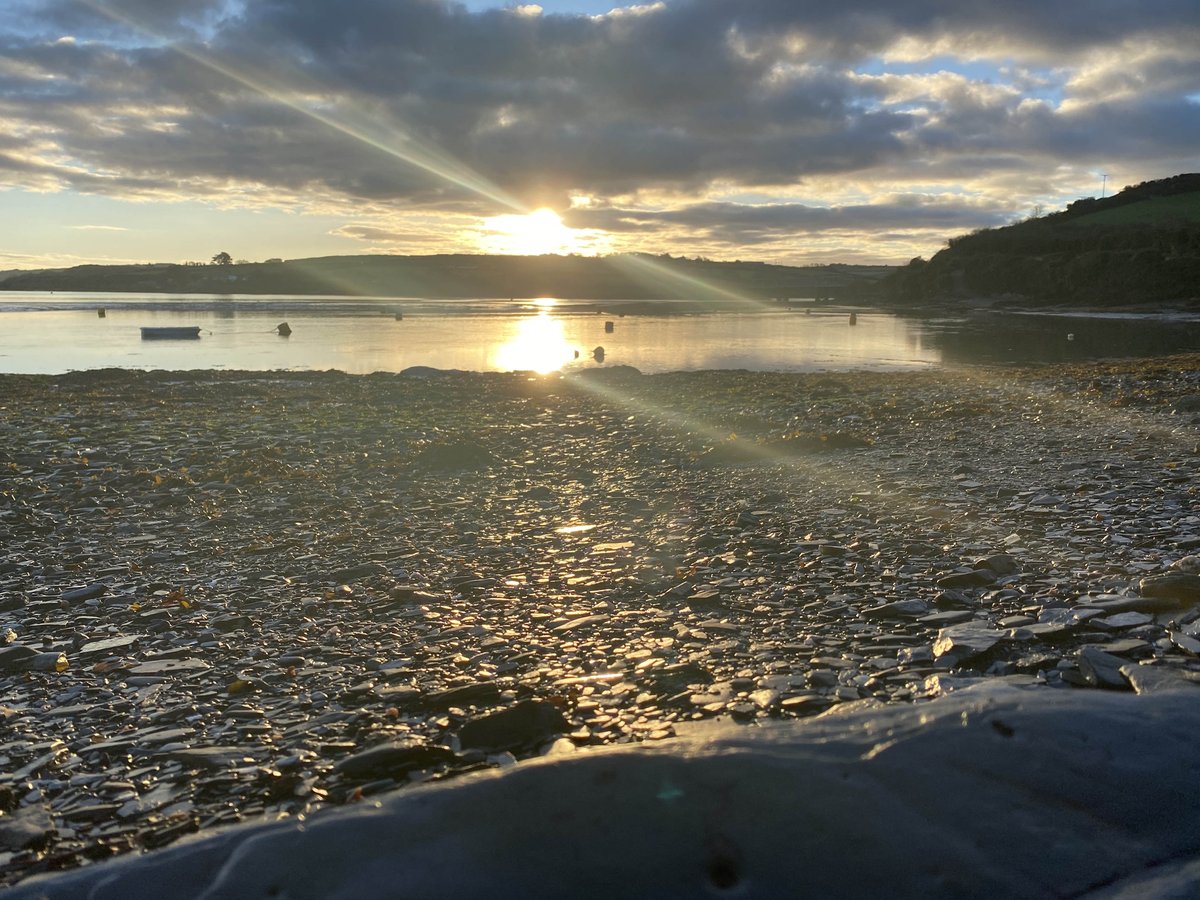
point(170, 332)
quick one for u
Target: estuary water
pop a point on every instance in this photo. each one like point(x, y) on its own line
point(55, 333)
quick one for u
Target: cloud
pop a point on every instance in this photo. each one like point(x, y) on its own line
point(735, 224)
point(377, 234)
point(422, 106)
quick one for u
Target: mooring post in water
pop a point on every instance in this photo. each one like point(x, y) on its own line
point(101, 313)
point(283, 329)
point(853, 318)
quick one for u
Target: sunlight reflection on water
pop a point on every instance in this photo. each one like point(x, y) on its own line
point(538, 344)
point(50, 334)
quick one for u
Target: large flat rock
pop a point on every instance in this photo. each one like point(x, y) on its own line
point(992, 791)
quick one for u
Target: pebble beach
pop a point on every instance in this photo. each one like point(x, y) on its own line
point(245, 596)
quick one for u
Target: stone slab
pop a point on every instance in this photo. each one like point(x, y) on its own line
point(930, 795)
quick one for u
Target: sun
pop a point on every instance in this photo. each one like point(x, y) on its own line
point(533, 234)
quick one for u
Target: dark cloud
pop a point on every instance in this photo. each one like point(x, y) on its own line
point(742, 223)
point(420, 104)
point(110, 20)
point(377, 235)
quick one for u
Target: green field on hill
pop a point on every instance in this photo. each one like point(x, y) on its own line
point(1153, 211)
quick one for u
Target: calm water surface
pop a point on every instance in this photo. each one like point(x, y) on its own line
point(55, 333)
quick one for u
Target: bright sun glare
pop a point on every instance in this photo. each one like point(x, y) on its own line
point(538, 344)
point(533, 234)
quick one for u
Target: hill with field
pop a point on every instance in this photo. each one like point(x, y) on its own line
point(623, 277)
point(1140, 247)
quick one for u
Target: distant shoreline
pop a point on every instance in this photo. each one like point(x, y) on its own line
point(630, 277)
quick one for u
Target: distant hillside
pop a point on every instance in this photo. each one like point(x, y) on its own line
point(630, 277)
point(1138, 247)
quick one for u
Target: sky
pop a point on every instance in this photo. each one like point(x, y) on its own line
point(786, 131)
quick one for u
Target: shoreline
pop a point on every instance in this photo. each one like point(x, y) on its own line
point(965, 306)
point(254, 577)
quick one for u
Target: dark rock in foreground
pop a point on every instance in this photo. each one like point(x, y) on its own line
point(999, 791)
point(528, 722)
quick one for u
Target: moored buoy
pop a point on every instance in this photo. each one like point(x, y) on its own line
point(608, 327)
point(283, 329)
point(598, 354)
